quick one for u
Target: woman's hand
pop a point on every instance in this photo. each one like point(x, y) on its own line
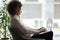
point(42, 29)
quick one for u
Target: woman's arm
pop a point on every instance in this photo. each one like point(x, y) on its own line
point(21, 28)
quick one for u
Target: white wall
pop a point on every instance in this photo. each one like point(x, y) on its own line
point(31, 11)
point(48, 10)
point(1, 3)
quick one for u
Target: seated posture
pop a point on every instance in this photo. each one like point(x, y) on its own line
point(23, 32)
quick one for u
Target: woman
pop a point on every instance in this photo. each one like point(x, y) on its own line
point(14, 9)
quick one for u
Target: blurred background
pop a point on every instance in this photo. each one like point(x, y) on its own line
point(36, 14)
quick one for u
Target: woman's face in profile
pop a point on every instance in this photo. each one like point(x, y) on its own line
point(18, 10)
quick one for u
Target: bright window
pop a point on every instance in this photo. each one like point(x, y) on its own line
point(31, 13)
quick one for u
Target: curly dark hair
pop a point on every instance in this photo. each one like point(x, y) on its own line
point(11, 7)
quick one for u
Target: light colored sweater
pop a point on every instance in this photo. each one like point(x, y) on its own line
point(24, 31)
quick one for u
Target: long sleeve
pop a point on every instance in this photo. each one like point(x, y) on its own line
point(17, 25)
point(31, 30)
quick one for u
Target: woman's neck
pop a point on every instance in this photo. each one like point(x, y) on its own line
point(15, 16)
